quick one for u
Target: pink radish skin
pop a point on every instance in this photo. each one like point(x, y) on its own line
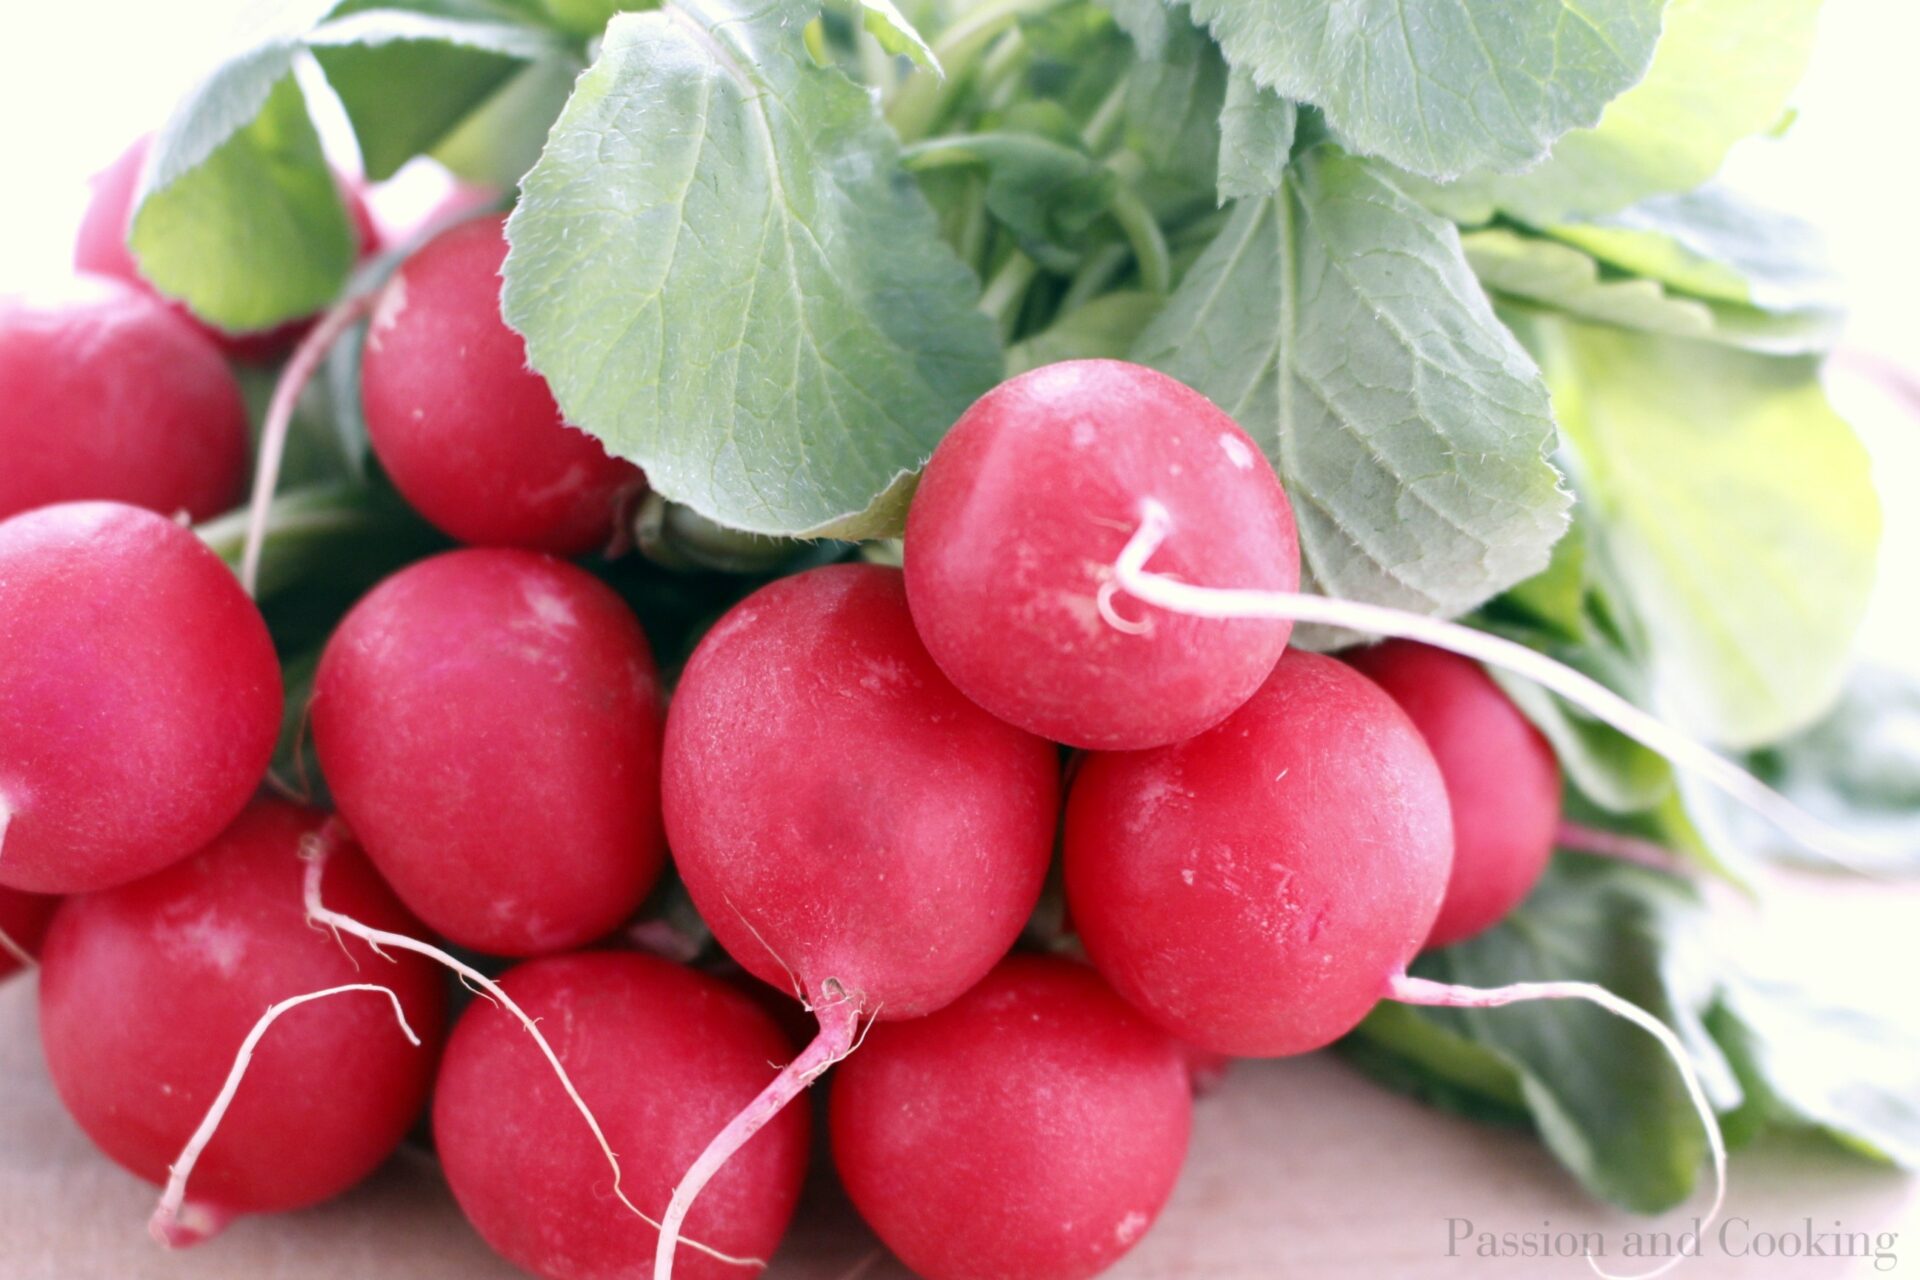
point(1015, 527)
point(489, 722)
point(106, 394)
point(139, 696)
point(1503, 783)
point(467, 432)
point(1253, 889)
point(147, 991)
point(839, 811)
point(1031, 1130)
point(664, 1056)
point(101, 247)
point(23, 925)
point(851, 827)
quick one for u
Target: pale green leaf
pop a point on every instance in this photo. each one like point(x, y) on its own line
point(1147, 22)
point(885, 23)
point(1104, 328)
point(408, 79)
point(1857, 769)
point(1736, 512)
point(726, 276)
point(1256, 135)
point(1712, 243)
point(1545, 273)
point(1440, 87)
point(1806, 1063)
point(1722, 72)
point(498, 142)
point(1339, 324)
point(238, 214)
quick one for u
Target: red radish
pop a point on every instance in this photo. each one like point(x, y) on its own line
point(1030, 1130)
point(489, 722)
point(1258, 889)
point(139, 696)
point(1503, 784)
point(664, 1056)
point(1016, 524)
point(23, 924)
point(101, 246)
point(467, 432)
point(106, 393)
point(1252, 889)
point(148, 990)
point(851, 827)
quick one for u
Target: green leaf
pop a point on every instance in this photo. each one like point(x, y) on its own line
point(1736, 512)
point(885, 23)
point(238, 214)
point(1173, 107)
point(1805, 1064)
point(726, 276)
point(1041, 183)
point(1722, 72)
point(1716, 245)
point(1256, 136)
point(1147, 23)
point(1606, 1098)
point(1440, 87)
point(1857, 768)
point(1339, 324)
point(408, 77)
point(1607, 767)
point(1547, 273)
point(1556, 597)
point(498, 142)
point(1104, 328)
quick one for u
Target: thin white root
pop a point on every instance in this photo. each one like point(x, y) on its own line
point(167, 1226)
point(1588, 694)
point(299, 371)
point(316, 849)
point(839, 1018)
point(1422, 991)
point(6, 820)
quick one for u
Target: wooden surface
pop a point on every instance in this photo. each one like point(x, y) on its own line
point(1299, 1169)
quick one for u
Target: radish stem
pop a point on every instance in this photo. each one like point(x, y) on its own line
point(299, 370)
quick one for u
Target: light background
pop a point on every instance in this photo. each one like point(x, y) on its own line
point(78, 80)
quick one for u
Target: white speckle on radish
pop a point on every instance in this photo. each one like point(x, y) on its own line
point(1236, 450)
point(1129, 1228)
point(386, 313)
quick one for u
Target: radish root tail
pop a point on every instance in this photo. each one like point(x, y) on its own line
point(1422, 991)
point(1164, 592)
point(316, 849)
point(1618, 846)
point(171, 1227)
point(839, 1019)
point(299, 371)
point(16, 952)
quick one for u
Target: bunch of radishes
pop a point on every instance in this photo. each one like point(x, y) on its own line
point(863, 778)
